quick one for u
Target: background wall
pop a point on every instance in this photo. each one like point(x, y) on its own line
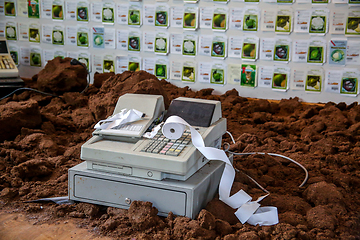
point(257, 92)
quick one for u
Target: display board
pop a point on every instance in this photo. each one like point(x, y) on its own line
point(266, 49)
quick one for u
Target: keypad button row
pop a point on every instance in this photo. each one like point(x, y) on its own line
point(162, 145)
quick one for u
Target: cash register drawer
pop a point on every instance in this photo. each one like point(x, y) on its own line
point(120, 194)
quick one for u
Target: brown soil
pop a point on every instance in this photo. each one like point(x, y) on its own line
point(42, 136)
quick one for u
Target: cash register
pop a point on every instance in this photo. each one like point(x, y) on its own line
point(120, 165)
point(9, 74)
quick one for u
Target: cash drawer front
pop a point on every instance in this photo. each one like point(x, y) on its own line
point(165, 200)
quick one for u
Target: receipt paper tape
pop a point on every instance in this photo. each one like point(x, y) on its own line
point(247, 210)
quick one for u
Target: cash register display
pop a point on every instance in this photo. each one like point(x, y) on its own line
point(195, 113)
point(3, 47)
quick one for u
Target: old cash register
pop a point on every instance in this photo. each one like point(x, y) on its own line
point(9, 74)
point(121, 166)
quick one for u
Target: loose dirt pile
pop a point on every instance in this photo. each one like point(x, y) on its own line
point(41, 138)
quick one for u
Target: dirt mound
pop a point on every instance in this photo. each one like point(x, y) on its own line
point(59, 76)
point(15, 115)
point(47, 133)
point(103, 103)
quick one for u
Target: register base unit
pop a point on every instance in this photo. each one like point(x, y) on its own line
point(183, 198)
point(8, 85)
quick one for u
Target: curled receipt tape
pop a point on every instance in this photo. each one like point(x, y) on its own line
point(247, 210)
point(124, 116)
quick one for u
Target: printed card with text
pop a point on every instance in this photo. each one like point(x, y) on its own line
point(251, 19)
point(162, 68)
point(282, 49)
point(250, 48)
point(248, 75)
point(280, 78)
point(218, 73)
point(219, 46)
point(134, 40)
point(161, 43)
point(316, 52)
point(162, 15)
point(319, 21)
point(190, 18)
point(134, 63)
point(349, 84)
point(337, 51)
point(314, 79)
point(58, 37)
point(284, 21)
point(108, 12)
point(188, 72)
point(108, 64)
point(353, 23)
point(82, 11)
point(11, 30)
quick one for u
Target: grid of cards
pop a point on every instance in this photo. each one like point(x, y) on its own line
point(249, 33)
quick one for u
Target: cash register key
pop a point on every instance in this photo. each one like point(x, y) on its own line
point(156, 150)
point(171, 152)
point(2, 64)
point(147, 146)
point(161, 145)
point(181, 146)
point(186, 142)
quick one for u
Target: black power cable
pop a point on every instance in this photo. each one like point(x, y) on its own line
point(72, 62)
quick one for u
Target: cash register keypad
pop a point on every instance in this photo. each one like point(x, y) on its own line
point(5, 62)
point(159, 144)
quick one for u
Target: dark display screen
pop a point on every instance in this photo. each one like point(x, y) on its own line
point(195, 113)
point(3, 47)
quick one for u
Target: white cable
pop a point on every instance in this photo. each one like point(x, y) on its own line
point(275, 155)
point(279, 155)
point(231, 136)
point(257, 184)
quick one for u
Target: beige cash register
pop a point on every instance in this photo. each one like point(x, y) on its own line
point(122, 166)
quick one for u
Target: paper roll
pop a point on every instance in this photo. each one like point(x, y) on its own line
point(173, 130)
point(248, 211)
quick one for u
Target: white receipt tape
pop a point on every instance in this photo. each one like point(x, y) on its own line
point(247, 210)
point(124, 116)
